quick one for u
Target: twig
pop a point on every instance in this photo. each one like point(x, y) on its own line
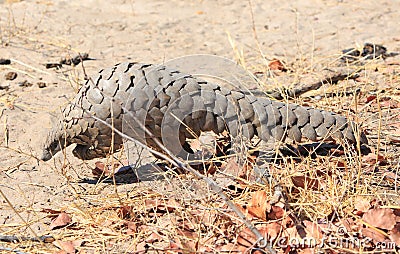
point(14, 239)
point(261, 241)
point(12, 250)
point(299, 90)
point(19, 215)
point(4, 61)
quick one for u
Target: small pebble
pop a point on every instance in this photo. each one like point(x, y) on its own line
point(11, 75)
point(41, 84)
point(25, 83)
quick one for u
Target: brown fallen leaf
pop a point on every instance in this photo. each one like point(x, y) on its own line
point(276, 65)
point(100, 169)
point(305, 182)
point(383, 218)
point(154, 237)
point(361, 205)
point(350, 224)
point(313, 229)
point(260, 205)
point(270, 232)
point(231, 168)
point(175, 245)
point(276, 213)
point(162, 205)
point(124, 212)
point(372, 159)
point(387, 102)
point(189, 241)
point(374, 235)
point(68, 246)
point(63, 219)
point(141, 247)
point(397, 213)
point(370, 98)
point(394, 234)
point(131, 228)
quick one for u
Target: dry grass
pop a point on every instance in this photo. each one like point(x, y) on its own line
point(326, 190)
point(183, 215)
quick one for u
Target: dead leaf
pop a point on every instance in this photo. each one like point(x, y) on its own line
point(62, 220)
point(124, 212)
point(154, 237)
point(362, 205)
point(100, 169)
point(371, 98)
point(394, 234)
point(212, 169)
point(188, 233)
point(373, 159)
point(350, 224)
point(388, 102)
point(131, 228)
point(175, 245)
point(259, 205)
point(397, 213)
point(231, 168)
point(247, 239)
point(272, 230)
point(276, 213)
point(383, 218)
point(189, 242)
point(313, 229)
point(373, 234)
point(142, 247)
point(172, 204)
point(276, 65)
point(162, 205)
point(305, 182)
point(67, 246)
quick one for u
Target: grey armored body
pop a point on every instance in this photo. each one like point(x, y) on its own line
point(162, 99)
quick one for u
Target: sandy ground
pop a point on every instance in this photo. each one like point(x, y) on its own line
point(33, 33)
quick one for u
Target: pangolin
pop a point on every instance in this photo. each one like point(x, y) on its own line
point(174, 106)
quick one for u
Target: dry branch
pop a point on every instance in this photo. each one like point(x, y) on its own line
point(330, 78)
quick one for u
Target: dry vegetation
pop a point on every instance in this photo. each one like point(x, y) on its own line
point(345, 200)
point(335, 200)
